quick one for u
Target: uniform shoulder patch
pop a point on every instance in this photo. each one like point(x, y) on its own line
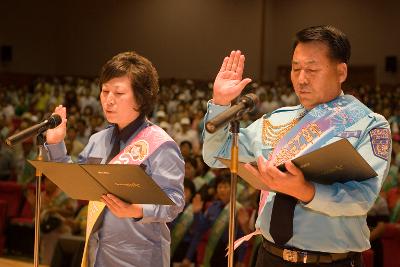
point(380, 142)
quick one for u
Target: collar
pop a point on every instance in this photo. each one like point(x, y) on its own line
point(341, 94)
point(127, 132)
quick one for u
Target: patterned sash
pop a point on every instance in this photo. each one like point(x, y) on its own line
point(181, 227)
point(140, 148)
point(317, 127)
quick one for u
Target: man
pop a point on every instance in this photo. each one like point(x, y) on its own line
point(302, 221)
point(188, 134)
point(213, 223)
point(119, 233)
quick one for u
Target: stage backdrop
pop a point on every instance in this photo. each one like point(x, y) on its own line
point(188, 39)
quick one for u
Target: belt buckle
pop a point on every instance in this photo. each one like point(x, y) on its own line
point(290, 255)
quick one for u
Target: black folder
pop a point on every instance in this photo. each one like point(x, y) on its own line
point(90, 181)
point(336, 162)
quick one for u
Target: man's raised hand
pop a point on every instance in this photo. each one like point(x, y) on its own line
point(229, 84)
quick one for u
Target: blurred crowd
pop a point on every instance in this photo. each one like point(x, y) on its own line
point(200, 233)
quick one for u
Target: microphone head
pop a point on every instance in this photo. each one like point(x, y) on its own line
point(54, 121)
point(50, 123)
point(250, 101)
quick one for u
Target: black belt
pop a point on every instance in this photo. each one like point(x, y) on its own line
point(301, 256)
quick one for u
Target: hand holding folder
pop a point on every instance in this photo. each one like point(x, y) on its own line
point(336, 162)
point(90, 181)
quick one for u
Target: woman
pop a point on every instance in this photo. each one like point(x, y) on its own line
point(119, 233)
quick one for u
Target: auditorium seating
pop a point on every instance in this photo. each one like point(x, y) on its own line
point(22, 227)
point(11, 192)
point(368, 257)
point(3, 216)
point(391, 245)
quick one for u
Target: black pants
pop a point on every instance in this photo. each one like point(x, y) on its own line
point(377, 247)
point(265, 259)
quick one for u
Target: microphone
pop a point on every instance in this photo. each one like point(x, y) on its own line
point(246, 103)
point(50, 123)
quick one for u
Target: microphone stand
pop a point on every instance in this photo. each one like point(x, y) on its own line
point(244, 104)
point(234, 170)
point(41, 156)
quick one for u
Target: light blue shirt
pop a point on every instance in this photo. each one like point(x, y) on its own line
point(335, 220)
point(129, 242)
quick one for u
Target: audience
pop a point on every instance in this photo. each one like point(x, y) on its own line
point(180, 112)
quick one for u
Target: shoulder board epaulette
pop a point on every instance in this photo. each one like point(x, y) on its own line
point(283, 109)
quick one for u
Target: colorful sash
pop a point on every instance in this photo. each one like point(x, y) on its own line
point(216, 232)
point(317, 127)
point(181, 227)
point(140, 148)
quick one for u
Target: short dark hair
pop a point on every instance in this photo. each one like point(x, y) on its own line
point(336, 40)
point(226, 179)
point(143, 76)
point(190, 185)
point(186, 142)
point(192, 161)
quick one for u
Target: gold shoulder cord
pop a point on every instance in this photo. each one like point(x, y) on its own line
point(271, 134)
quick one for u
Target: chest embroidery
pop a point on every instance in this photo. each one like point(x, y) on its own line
point(271, 134)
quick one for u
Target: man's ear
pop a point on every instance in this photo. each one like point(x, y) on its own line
point(342, 71)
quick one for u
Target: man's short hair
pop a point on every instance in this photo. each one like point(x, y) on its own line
point(190, 185)
point(143, 76)
point(226, 179)
point(186, 142)
point(191, 160)
point(336, 40)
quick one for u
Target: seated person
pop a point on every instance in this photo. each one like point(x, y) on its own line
point(56, 208)
point(69, 249)
point(210, 223)
point(181, 228)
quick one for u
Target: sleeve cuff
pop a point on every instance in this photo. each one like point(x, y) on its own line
point(148, 213)
point(322, 195)
point(214, 110)
point(56, 151)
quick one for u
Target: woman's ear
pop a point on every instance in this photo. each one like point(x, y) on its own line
point(342, 71)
